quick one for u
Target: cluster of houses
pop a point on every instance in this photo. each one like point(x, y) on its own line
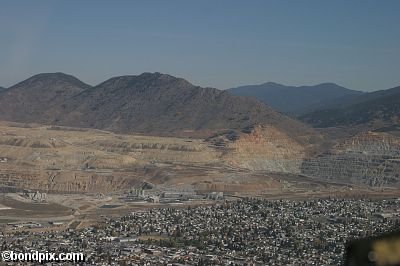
point(244, 232)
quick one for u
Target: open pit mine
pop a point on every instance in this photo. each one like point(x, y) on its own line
point(257, 161)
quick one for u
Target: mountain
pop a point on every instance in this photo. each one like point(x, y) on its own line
point(1, 88)
point(150, 103)
point(295, 100)
point(380, 108)
point(161, 104)
point(28, 100)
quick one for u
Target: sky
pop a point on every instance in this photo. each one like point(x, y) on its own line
point(210, 43)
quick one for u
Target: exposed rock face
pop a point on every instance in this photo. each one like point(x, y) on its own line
point(368, 158)
point(61, 159)
point(73, 161)
point(263, 183)
point(266, 149)
point(49, 160)
point(64, 182)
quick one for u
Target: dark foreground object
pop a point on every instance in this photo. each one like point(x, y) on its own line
point(382, 250)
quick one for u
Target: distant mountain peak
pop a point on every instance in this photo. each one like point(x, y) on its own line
point(146, 79)
point(160, 76)
point(271, 84)
point(294, 99)
point(51, 78)
point(274, 84)
point(54, 75)
point(27, 98)
point(378, 108)
point(154, 75)
point(328, 84)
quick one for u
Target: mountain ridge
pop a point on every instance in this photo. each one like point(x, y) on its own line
point(379, 108)
point(150, 103)
point(286, 98)
point(32, 96)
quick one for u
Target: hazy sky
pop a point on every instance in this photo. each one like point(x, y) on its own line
point(211, 43)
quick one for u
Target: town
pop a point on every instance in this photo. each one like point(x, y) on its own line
point(244, 232)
